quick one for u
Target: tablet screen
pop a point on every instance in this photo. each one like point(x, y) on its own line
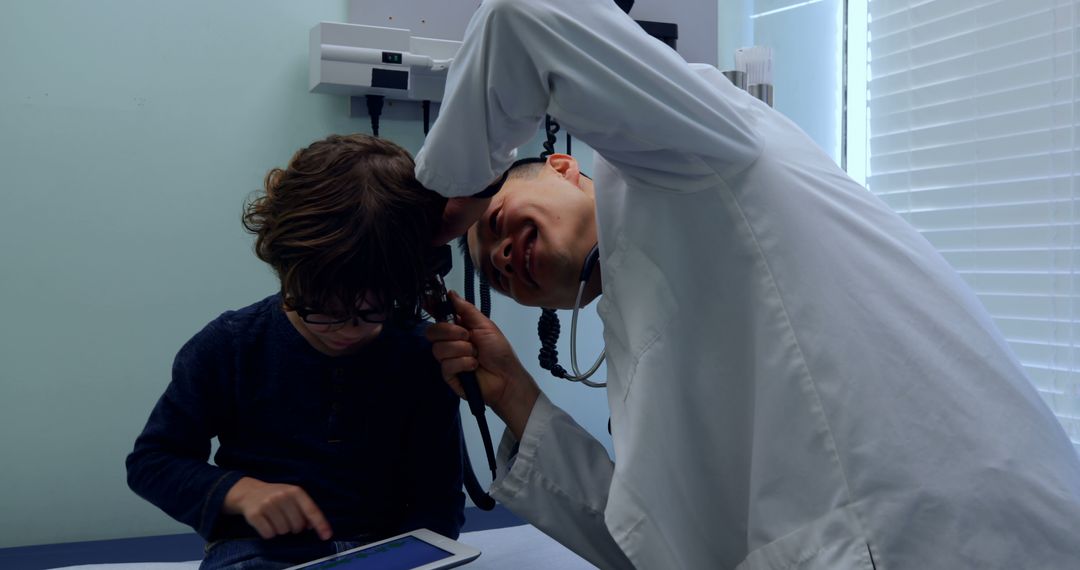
point(400, 554)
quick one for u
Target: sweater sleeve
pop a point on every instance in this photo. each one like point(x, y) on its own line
point(169, 464)
point(628, 96)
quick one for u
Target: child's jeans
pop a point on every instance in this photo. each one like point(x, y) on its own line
point(276, 553)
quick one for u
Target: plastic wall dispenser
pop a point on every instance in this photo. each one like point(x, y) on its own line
point(352, 59)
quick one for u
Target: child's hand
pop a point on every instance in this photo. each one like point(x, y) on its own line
point(274, 509)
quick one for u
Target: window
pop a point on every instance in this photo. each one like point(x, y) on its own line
point(806, 39)
point(972, 136)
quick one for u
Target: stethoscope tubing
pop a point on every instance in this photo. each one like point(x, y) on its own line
point(586, 271)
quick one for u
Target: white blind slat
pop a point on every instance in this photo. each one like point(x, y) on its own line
point(942, 19)
point(1040, 130)
point(979, 170)
point(1042, 188)
point(973, 121)
point(1026, 35)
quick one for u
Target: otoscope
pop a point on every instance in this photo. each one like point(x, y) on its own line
point(442, 310)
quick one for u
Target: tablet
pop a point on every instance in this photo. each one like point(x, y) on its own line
point(420, 549)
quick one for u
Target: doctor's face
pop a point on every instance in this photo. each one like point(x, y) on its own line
point(534, 236)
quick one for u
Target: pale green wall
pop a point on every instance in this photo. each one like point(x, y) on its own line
point(130, 133)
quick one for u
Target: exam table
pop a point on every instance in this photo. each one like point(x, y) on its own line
point(504, 540)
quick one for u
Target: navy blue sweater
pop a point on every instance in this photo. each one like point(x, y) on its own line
point(373, 437)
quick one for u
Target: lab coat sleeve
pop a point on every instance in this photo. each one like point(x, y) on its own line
point(628, 96)
point(558, 480)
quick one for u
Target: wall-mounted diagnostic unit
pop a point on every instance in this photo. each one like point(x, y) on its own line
point(400, 51)
point(354, 59)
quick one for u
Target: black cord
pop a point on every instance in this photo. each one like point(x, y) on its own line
point(548, 327)
point(470, 287)
point(548, 330)
point(485, 296)
point(426, 105)
point(480, 498)
point(568, 151)
point(470, 277)
point(551, 128)
point(472, 486)
point(374, 109)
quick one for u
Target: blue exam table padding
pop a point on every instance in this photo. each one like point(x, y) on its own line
point(173, 547)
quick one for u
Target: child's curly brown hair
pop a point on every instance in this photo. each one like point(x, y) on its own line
point(345, 221)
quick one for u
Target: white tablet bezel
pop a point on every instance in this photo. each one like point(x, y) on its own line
point(459, 553)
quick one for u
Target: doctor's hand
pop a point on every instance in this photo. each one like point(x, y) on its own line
point(458, 216)
point(476, 344)
point(274, 509)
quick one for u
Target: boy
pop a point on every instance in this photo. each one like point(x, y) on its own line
point(334, 424)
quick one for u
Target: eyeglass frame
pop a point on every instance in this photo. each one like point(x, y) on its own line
point(372, 316)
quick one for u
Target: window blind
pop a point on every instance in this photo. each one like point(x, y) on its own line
point(973, 113)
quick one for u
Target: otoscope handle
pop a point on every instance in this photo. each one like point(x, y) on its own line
point(468, 379)
point(443, 311)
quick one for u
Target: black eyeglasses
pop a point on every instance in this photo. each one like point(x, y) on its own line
point(313, 317)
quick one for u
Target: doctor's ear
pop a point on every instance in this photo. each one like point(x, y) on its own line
point(566, 166)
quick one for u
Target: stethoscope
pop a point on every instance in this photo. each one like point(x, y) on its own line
point(548, 327)
point(586, 271)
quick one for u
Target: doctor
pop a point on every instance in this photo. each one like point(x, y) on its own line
point(796, 379)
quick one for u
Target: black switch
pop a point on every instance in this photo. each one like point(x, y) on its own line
point(391, 57)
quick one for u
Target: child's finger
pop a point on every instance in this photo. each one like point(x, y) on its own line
point(315, 517)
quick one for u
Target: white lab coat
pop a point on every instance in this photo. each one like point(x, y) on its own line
point(796, 378)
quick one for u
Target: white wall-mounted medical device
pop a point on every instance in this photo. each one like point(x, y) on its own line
point(353, 59)
point(434, 29)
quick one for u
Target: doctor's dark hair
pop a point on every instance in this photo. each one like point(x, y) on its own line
point(345, 220)
point(519, 171)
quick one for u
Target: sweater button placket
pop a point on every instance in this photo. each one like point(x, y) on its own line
point(337, 391)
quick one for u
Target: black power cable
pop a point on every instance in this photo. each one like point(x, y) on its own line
point(374, 109)
point(426, 106)
point(548, 330)
point(548, 326)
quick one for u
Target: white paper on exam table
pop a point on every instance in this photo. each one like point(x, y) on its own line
point(519, 547)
